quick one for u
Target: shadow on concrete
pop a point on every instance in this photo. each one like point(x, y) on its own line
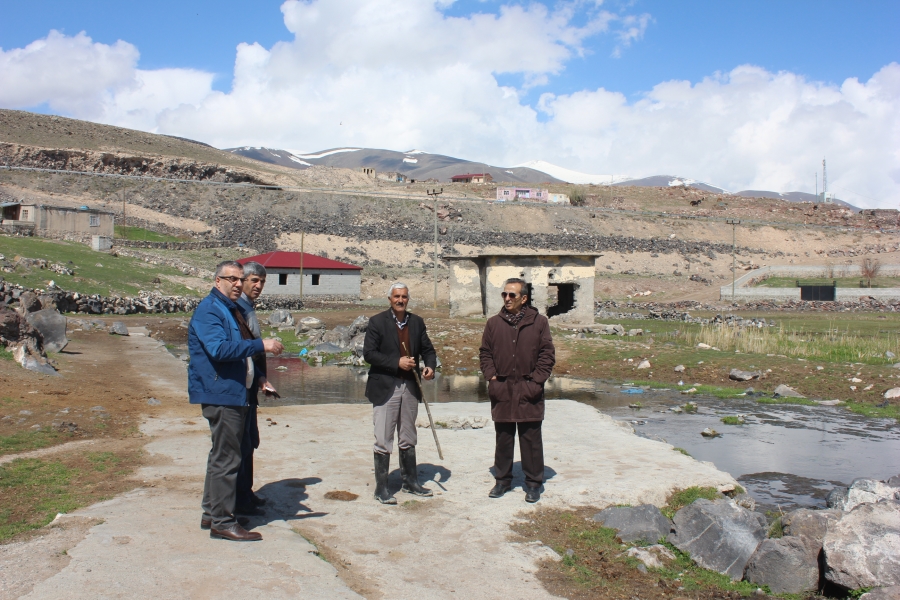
point(518, 477)
point(285, 501)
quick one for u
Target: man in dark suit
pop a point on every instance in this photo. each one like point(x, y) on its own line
point(395, 339)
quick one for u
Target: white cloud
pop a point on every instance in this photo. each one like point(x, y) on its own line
point(402, 74)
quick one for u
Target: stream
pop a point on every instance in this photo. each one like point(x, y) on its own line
point(785, 455)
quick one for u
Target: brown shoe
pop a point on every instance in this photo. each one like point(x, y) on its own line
point(235, 533)
point(206, 524)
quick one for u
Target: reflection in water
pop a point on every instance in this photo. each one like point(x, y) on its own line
point(785, 455)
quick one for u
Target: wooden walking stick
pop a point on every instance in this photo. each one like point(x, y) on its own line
point(427, 408)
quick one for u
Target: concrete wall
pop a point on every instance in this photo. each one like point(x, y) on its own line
point(465, 288)
point(74, 221)
point(332, 282)
point(742, 292)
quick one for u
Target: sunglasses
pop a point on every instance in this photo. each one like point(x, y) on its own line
point(233, 279)
point(510, 295)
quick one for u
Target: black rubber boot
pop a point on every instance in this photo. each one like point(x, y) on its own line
point(382, 467)
point(409, 471)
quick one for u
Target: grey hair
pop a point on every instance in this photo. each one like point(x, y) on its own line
point(396, 286)
point(254, 268)
point(220, 268)
point(523, 286)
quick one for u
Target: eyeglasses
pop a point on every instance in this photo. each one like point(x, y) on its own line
point(510, 295)
point(232, 279)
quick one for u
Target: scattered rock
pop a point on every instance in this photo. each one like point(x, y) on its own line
point(679, 369)
point(883, 593)
point(862, 490)
point(328, 349)
point(118, 328)
point(455, 423)
point(652, 556)
point(639, 523)
point(810, 525)
point(738, 375)
point(863, 548)
point(787, 565)
point(634, 332)
point(703, 346)
point(359, 326)
point(644, 364)
point(280, 318)
point(892, 393)
point(307, 324)
point(29, 302)
point(786, 391)
point(710, 433)
point(153, 402)
point(719, 535)
point(52, 327)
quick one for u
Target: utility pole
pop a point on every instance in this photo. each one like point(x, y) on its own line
point(301, 266)
point(434, 194)
point(123, 216)
point(734, 223)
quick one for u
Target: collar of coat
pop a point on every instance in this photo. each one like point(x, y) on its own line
point(215, 293)
point(531, 314)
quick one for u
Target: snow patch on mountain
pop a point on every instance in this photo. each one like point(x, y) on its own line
point(570, 175)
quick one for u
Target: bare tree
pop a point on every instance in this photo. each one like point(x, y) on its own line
point(870, 268)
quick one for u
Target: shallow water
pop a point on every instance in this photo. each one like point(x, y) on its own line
point(785, 455)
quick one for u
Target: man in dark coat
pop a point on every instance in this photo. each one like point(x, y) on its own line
point(395, 340)
point(517, 356)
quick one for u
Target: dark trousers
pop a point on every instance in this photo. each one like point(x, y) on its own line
point(249, 442)
point(226, 427)
point(531, 448)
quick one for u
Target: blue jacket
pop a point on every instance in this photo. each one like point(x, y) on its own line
point(217, 372)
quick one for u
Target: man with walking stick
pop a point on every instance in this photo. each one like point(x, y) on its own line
point(517, 356)
point(395, 341)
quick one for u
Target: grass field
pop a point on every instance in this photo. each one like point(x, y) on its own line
point(842, 282)
point(95, 272)
point(123, 232)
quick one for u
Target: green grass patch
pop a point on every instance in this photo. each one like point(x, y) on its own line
point(124, 232)
point(5, 354)
point(23, 441)
point(41, 485)
point(101, 461)
point(681, 498)
point(694, 577)
point(682, 450)
point(889, 411)
point(118, 275)
point(732, 420)
point(785, 400)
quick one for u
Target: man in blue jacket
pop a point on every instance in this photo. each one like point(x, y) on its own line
point(220, 373)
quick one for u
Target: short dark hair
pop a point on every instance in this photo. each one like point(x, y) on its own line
point(523, 286)
point(228, 263)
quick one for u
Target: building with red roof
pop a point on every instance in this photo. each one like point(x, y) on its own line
point(322, 277)
point(472, 178)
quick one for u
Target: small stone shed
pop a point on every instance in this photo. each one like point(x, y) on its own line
point(53, 221)
point(562, 285)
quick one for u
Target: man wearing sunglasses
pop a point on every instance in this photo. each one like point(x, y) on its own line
point(517, 357)
point(220, 373)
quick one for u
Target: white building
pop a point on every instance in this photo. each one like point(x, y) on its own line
point(322, 277)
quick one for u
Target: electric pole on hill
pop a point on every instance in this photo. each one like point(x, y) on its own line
point(734, 223)
point(434, 194)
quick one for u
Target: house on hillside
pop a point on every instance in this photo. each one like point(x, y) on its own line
point(472, 178)
point(42, 220)
point(522, 193)
point(392, 176)
point(561, 285)
point(322, 278)
point(559, 199)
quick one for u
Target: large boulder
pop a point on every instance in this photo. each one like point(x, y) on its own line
point(719, 535)
point(29, 302)
point(810, 524)
point(307, 324)
point(281, 318)
point(638, 523)
point(52, 326)
point(862, 490)
point(339, 336)
point(738, 375)
point(787, 565)
point(787, 391)
point(359, 325)
point(327, 348)
point(863, 548)
point(357, 343)
point(118, 328)
point(883, 593)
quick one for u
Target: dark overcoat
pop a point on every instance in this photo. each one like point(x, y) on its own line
point(522, 358)
point(381, 349)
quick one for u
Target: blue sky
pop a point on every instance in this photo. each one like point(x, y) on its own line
point(325, 73)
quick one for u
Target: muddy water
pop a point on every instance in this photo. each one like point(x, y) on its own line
point(785, 455)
